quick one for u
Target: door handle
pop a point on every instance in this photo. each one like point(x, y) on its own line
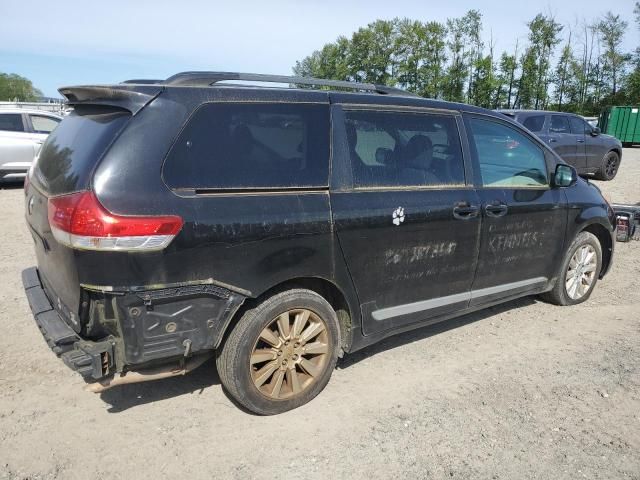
point(580, 141)
point(552, 140)
point(496, 209)
point(465, 211)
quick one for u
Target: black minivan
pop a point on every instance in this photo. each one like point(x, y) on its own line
point(278, 228)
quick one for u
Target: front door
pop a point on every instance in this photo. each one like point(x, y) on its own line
point(524, 219)
point(407, 221)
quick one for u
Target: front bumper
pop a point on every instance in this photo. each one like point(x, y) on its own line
point(93, 360)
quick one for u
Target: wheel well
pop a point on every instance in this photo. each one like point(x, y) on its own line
point(329, 291)
point(604, 237)
point(618, 151)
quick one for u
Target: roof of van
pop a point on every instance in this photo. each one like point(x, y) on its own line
point(135, 94)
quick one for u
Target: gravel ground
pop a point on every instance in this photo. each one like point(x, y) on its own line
point(525, 390)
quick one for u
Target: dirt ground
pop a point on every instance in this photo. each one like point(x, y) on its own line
point(525, 390)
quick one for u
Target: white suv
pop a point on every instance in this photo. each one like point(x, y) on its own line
point(22, 133)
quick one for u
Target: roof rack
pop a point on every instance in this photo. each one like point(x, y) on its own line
point(211, 78)
point(143, 81)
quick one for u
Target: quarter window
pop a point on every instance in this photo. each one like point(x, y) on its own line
point(236, 146)
point(388, 149)
point(507, 158)
point(11, 122)
point(42, 124)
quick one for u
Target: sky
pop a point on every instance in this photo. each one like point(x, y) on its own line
point(73, 42)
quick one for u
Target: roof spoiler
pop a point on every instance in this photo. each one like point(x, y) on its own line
point(129, 97)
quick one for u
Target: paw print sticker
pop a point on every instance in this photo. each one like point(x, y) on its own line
point(398, 216)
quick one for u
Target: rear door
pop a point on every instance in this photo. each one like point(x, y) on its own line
point(406, 218)
point(564, 142)
point(524, 219)
point(579, 130)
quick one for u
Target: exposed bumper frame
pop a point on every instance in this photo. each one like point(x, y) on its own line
point(92, 360)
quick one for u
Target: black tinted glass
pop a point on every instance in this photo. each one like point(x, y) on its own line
point(559, 124)
point(11, 122)
point(403, 149)
point(232, 146)
point(534, 123)
point(74, 147)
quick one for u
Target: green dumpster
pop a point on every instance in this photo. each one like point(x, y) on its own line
point(621, 122)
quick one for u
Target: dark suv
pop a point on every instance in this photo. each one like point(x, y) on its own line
point(578, 143)
point(277, 228)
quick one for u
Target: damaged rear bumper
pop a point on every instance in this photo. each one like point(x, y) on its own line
point(92, 360)
point(153, 329)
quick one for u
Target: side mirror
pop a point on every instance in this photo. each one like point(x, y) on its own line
point(565, 176)
point(595, 131)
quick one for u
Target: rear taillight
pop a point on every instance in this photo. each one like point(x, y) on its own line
point(80, 221)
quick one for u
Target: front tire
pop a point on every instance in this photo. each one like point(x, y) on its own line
point(280, 354)
point(609, 167)
point(578, 273)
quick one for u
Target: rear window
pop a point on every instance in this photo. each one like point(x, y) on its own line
point(397, 149)
point(72, 150)
point(234, 146)
point(559, 124)
point(534, 123)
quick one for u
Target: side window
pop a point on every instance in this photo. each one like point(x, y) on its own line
point(42, 124)
point(11, 122)
point(389, 149)
point(534, 123)
point(579, 126)
point(251, 145)
point(559, 124)
point(507, 158)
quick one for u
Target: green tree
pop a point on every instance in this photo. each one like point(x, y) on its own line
point(633, 80)
point(612, 29)
point(507, 79)
point(544, 35)
point(420, 54)
point(457, 69)
point(562, 74)
point(473, 37)
point(484, 84)
point(371, 56)
point(15, 87)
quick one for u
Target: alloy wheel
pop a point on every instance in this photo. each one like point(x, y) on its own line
point(611, 166)
point(290, 354)
point(581, 272)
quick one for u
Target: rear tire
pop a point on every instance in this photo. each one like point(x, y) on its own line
point(578, 273)
point(609, 167)
point(280, 354)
